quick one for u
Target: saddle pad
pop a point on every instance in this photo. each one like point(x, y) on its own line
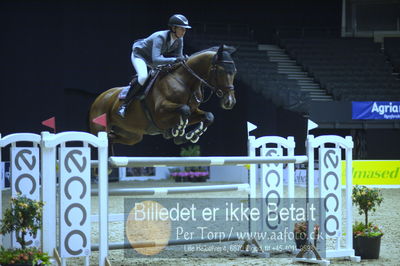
point(123, 93)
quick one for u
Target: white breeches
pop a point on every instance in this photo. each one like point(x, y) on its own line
point(141, 69)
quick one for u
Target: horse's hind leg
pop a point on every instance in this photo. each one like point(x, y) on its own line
point(125, 137)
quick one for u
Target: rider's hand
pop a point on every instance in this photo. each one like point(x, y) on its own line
point(180, 59)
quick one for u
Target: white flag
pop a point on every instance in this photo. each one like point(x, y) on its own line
point(311, 125)
point(250, 127)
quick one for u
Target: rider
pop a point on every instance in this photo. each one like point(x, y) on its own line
point(160, 48)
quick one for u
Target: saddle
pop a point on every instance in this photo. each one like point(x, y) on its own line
point(155, 73)
point(146, 86)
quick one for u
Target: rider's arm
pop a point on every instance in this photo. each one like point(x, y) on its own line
point(157, 57)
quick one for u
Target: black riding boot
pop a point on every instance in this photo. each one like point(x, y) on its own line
point(133, 89)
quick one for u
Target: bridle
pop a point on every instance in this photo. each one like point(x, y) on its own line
point(214, 70)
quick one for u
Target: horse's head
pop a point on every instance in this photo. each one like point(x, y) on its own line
point(222, 74)
point(217, 64)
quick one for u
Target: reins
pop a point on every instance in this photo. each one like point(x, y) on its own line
point(202, 81)
point(213, 89)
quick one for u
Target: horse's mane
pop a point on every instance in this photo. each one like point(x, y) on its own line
point(211, 49)
point(228, 49)
point(226, 55)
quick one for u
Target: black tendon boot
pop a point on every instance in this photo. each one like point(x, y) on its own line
point(133, 89)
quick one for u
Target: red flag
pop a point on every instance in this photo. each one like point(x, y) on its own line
point(101, 120)
point(51, 123)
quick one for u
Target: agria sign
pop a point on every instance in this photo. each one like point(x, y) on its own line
point(376, 110)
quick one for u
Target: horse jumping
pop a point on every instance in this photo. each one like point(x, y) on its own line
point(172, 104)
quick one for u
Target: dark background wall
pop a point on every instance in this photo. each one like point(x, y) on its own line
point(57, 55)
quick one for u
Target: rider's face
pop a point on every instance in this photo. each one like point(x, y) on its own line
point(180, 32)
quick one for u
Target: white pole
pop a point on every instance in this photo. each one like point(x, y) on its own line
point(349, 192)
point(290, 151)
point(252, 180)
point(310, 170)
point(252, 171)
point(121, 173)
point(119, 161)
point(103, 198)
point(48, 196)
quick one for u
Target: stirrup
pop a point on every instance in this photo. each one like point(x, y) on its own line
point(122, 110)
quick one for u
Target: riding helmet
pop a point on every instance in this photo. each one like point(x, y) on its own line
point(179, 21)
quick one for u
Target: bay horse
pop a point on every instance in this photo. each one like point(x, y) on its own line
point(172, 104)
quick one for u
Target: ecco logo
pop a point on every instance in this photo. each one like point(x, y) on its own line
point(271, 183)
point(75, 164)
point(330, 179)
point(25, 176)
point(28, 163)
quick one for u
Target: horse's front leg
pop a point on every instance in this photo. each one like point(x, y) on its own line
point(179, 129)
point(204, 120)
point(166, 113)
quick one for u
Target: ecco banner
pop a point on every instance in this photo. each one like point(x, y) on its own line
point(375, 110)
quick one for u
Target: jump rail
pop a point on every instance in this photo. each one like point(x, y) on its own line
point(173, 190)
point(175, 242)
point(117, 161)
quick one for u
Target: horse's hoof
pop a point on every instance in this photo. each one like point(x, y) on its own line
point(195, 140)
point(174, 132)
point(189, 135)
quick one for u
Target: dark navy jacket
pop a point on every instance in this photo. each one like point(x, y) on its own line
point(155, 49)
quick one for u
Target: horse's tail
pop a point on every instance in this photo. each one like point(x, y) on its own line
point(101, 105)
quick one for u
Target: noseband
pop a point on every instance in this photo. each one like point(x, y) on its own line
point(214, 69)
